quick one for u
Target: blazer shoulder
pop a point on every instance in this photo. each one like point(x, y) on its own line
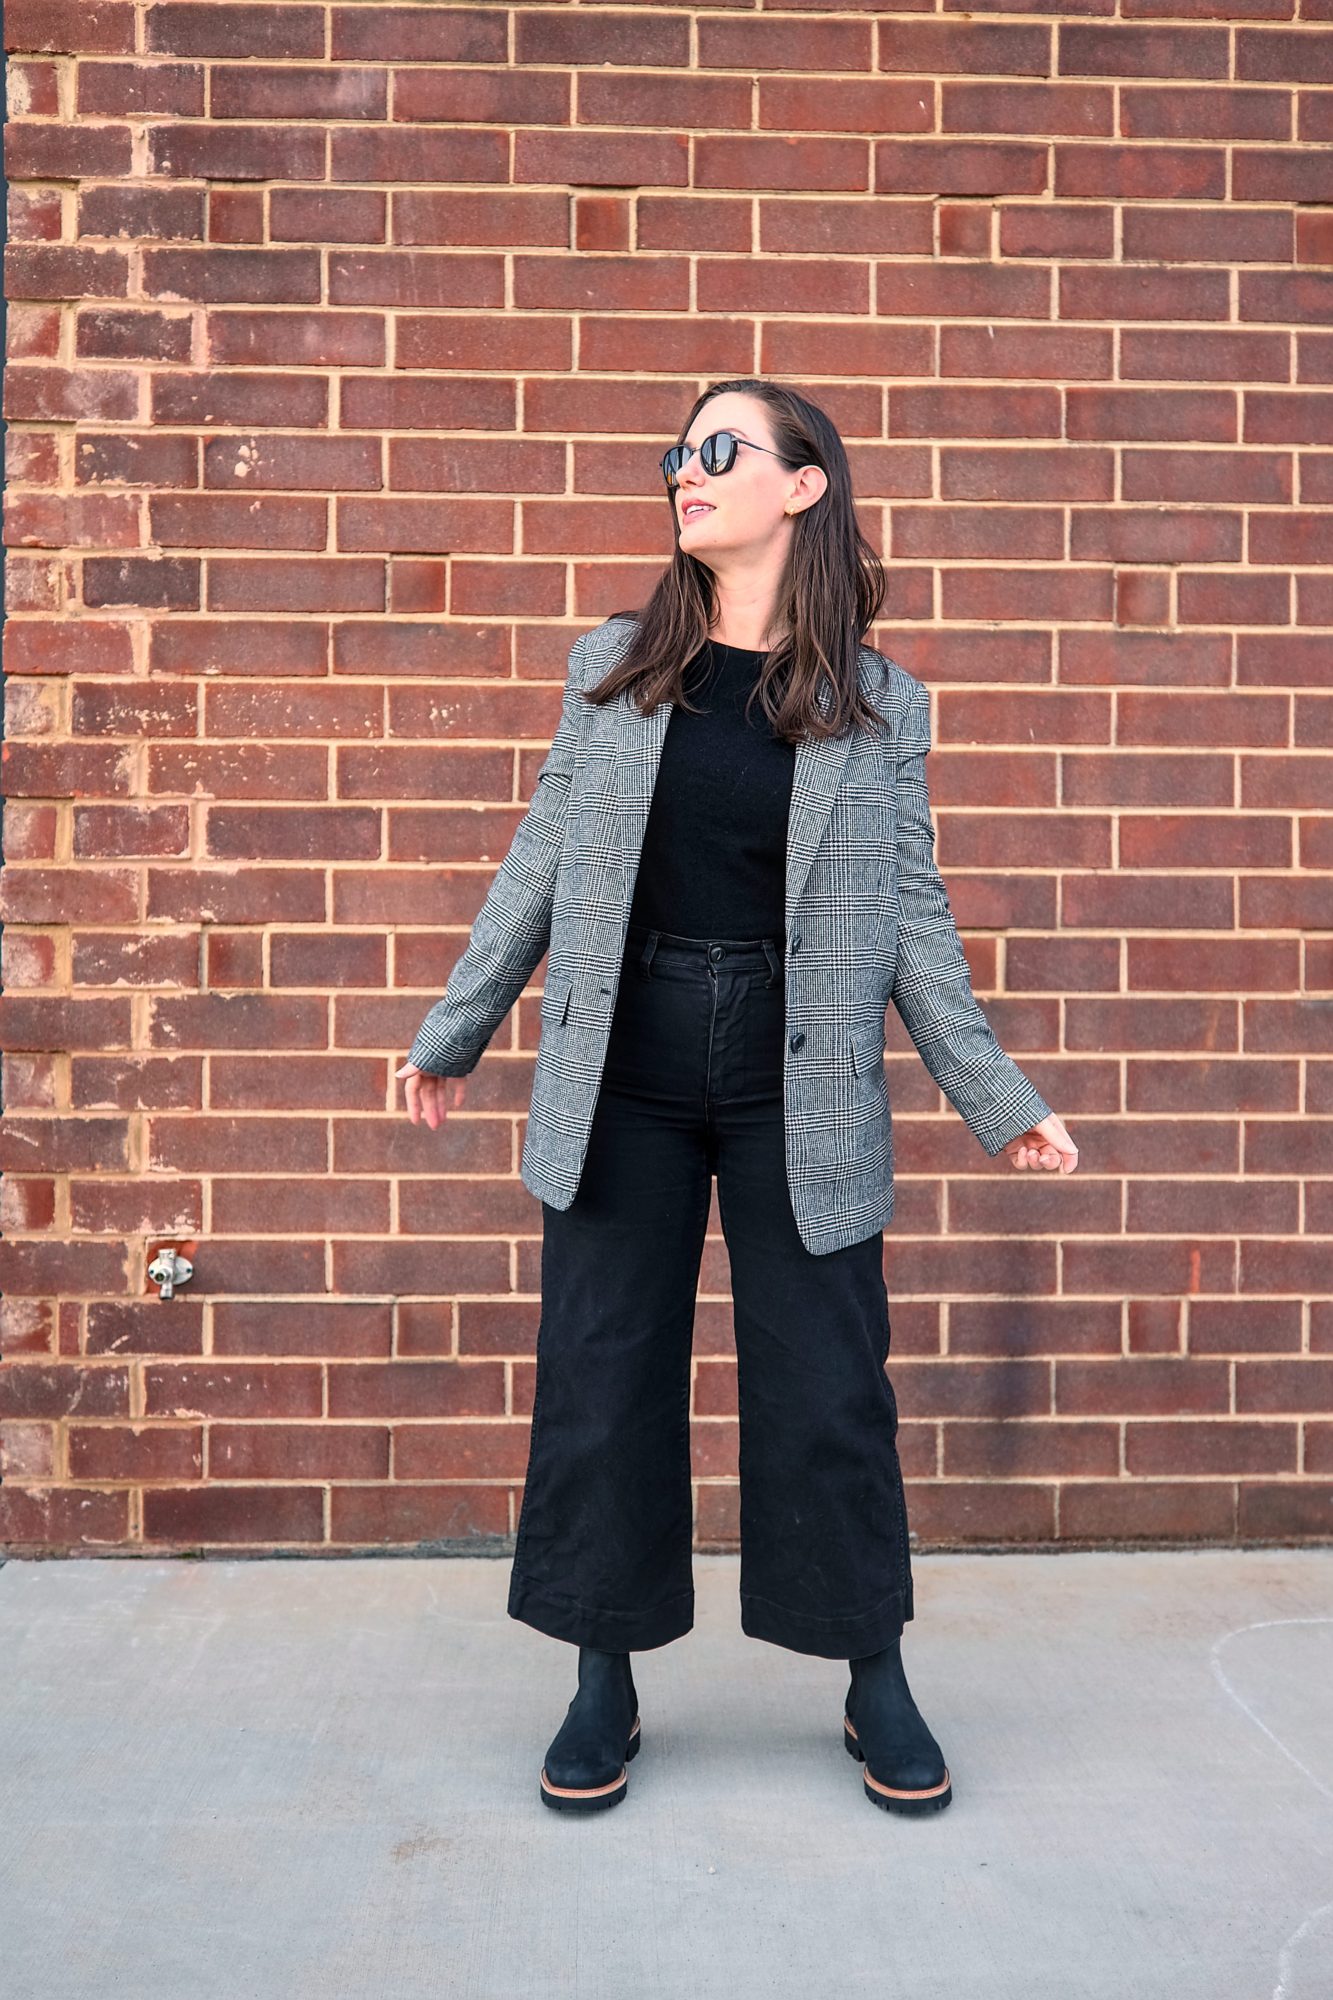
point(613, 631)
point(599, 647)
point(892, 689)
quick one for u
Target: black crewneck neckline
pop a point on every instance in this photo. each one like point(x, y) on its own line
point(743, 652)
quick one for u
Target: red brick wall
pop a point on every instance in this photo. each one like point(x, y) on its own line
point(343, 340)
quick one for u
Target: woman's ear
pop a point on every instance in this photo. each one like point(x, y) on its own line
point(811, 485)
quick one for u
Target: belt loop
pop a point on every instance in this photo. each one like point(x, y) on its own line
point(646, 955)
point(774, 963)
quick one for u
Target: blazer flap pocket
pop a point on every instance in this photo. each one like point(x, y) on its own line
point(868, 1048)
point(555, 998)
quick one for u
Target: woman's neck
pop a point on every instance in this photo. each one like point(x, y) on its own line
point(747, 643)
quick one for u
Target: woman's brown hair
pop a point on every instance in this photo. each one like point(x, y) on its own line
point(830, 597)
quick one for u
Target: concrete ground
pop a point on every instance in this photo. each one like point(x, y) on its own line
point(317, 1780)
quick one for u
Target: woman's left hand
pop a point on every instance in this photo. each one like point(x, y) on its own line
point(1047, 1145)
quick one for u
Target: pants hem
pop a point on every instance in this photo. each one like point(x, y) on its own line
point(591, 1625)
point(827, 1638)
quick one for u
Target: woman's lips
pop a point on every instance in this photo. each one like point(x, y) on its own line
point(695, 510)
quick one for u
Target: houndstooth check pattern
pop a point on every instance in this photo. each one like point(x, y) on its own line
point(868, 921)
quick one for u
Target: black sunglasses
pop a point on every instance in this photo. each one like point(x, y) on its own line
point(716, 454)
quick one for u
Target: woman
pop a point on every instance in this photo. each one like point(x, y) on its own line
point(729, 855)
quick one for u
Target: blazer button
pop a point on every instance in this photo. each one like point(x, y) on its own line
point(796, 942)
point(796, 1042)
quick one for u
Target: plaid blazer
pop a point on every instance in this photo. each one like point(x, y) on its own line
point(868, 921)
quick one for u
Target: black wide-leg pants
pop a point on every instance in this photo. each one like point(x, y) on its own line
point(693, 1088)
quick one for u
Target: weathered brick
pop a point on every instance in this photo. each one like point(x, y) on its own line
point(93, 395)
point(236, 152)
point(131, 959)
point(196, 28)
point(237, 521)
point(140, 90)
point(291, 896)
point(145, 459)
point(222, 1145)
point(124, 832)
point(333, 1329)
point(227, 646)
point(239, 399)
point(414, 278)
point(235, 959)
point(419, 34)
point(152, 582)
point(71, 520)
point(302, 1451)
point(255, 90)
point(63, 1145)
point(267, 463)
point(38, 1389)
point(239, 771)
point(322, 584)
point(327, 215)
point(55, 152)
point(299, 1083)
point(235, 215)
point(34, 90)
point(337, 959)
point(37, 770)
point(426, 402)
point(53, 271)
point(112, 709)
point(127, 335)
point(291, 276)
point(43, 646)
point(64, 895)
point(143, 1207)
point(71, 27)
point(43, 1267)
point(315, 339)
point(35, 215)
point(32, 458)
point(225, 1515)
point(142, 212)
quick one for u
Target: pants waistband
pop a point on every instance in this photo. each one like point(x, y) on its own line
point(643, 942)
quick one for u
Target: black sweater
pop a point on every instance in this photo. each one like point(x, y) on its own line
point(714, 854)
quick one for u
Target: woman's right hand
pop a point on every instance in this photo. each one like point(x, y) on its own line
point(430, 1096)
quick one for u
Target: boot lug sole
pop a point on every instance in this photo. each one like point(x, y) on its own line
point(892, 1798)
point(591, 1798)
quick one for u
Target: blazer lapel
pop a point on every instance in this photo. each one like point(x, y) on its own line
point(817, 773)
point(820, 762)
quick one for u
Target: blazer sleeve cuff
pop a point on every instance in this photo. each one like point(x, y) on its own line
point(1018, 1106)
point(436, 1047)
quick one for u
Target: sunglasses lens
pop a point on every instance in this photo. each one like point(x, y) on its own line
point(718, 452)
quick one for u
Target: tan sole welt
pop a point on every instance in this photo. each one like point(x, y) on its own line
point(895, 1791)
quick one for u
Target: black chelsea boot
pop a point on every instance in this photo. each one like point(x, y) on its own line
point(585, 1767)
point(882, 1727)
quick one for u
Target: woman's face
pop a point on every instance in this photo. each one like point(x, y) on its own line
point(742, 510)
